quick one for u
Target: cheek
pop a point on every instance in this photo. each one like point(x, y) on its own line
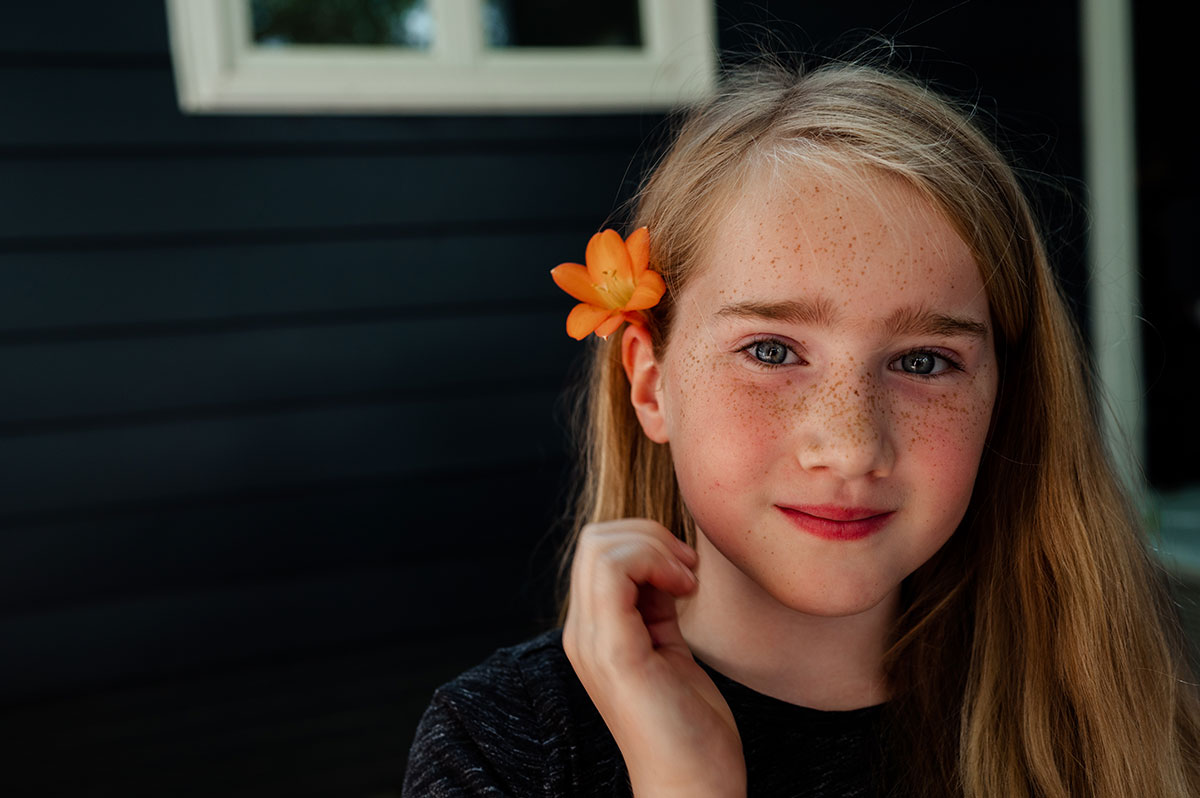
point(942, 438)
point(724, 433)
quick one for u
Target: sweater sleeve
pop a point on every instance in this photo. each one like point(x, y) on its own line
point(479, 737)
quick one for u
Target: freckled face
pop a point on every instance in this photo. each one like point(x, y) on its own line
point(835, 353)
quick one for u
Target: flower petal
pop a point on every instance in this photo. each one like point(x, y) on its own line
point(573, 278)
point(638, 245)
point(606, 253)
point(583, 319)
point(636, 317)
point(610, 325)
point(650, 288)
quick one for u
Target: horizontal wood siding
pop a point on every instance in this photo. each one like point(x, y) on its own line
point(282, 432)
point(58, 288)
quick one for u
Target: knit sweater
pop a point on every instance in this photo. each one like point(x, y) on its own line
point(521, 724)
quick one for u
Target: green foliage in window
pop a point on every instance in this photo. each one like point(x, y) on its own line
point(340, 22)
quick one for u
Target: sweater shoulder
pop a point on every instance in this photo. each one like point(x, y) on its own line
point(512, 725)
point(510, 673)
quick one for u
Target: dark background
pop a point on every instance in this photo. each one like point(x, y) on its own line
point(1168, 209)
point(282, 428)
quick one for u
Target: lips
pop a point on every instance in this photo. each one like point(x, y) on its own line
point(837, 523)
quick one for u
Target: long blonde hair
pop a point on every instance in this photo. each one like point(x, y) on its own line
point(1037, 653)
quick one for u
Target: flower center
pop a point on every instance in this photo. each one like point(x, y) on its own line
point(618, 292)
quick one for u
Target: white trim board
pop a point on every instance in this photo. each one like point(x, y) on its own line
point(217, 69)
point(1110, 160)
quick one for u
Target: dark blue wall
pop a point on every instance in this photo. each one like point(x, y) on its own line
point(281, 427)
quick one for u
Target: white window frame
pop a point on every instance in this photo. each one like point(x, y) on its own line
point(218, 69)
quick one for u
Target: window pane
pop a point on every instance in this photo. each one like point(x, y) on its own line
point(378, 23)
point(554, 23)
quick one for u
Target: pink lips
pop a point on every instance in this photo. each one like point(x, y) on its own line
point(838, 523)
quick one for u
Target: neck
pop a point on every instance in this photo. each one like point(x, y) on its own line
point(827, 663)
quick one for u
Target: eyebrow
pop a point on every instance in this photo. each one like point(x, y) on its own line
point(821, 313)
point(918, 321)
point(818, 313)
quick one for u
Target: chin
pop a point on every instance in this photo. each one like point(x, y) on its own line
point(844, 600)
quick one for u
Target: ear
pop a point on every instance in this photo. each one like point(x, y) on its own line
point(645, 382)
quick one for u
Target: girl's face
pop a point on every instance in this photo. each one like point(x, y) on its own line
point(827, 390)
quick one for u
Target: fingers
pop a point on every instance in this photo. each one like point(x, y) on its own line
point(661, 619)
point(624, 580)
point(683, 550)
point(623, 640)
point(599, 532)
point(612, 559)
point(620, 563)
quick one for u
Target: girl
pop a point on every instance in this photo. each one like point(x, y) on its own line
point(848, 527)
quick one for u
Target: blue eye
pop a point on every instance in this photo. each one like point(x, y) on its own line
point(923, 363)
point(918, 363)
point(771, 352)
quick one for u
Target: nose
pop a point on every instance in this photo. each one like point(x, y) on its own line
point(845, 428)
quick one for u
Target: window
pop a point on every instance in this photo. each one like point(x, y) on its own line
point(440, 56)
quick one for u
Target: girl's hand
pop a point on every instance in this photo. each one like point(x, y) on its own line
point(622, 636)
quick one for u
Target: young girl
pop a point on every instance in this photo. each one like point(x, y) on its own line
point(848, 527)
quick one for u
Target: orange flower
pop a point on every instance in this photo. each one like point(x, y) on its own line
point(615, 286)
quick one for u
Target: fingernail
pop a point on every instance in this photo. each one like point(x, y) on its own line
point(685, 548)
point(688, 572)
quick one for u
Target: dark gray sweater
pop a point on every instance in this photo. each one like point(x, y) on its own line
point(521, 724)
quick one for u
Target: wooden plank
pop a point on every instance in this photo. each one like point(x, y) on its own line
point(358, 752)
point(88, 646)
point(119, 465)
point(134, 109)
point(67, 26)
point(309, 529)
point(140, 196)
point(289, 366)
point(244, 282)
point(320, 722)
